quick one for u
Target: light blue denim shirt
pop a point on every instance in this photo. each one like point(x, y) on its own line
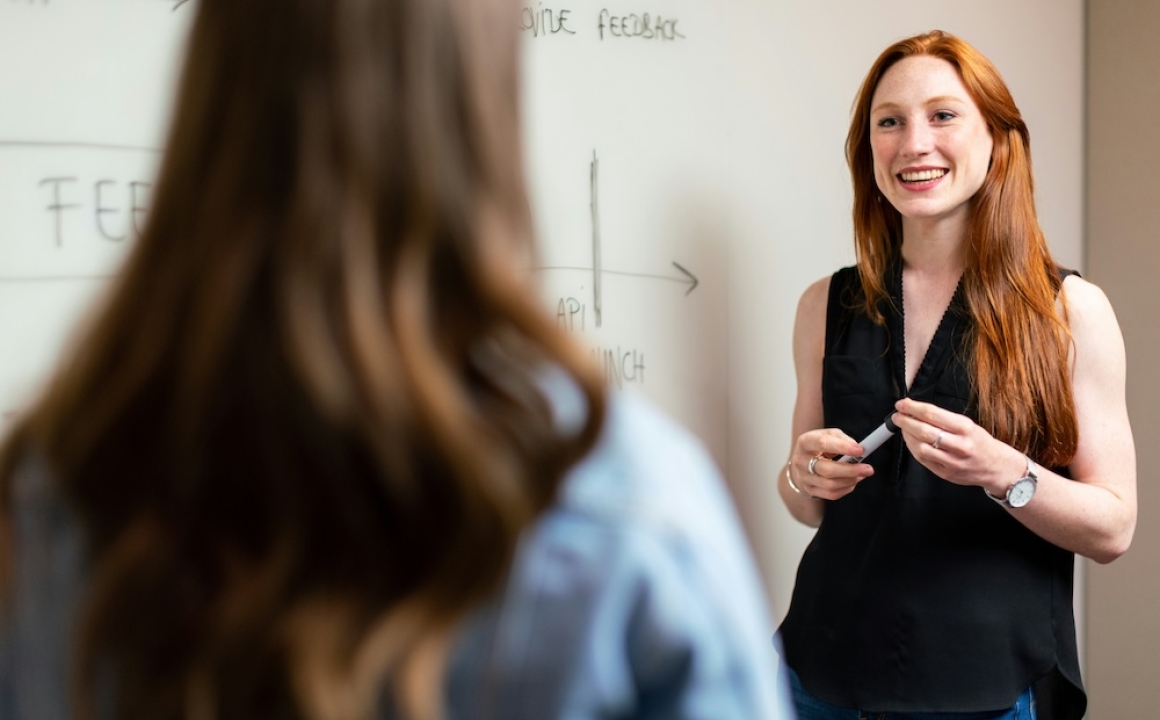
point(634, 597)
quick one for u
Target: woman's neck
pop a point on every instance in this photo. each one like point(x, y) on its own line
point(934, 246)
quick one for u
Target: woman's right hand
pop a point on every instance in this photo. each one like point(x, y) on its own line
point(814, 469)
point(830, 480)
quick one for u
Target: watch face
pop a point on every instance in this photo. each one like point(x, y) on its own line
point(1021, 492)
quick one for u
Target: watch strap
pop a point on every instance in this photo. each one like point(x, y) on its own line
point(1030, 474)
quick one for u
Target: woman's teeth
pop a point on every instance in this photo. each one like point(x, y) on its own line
point(922, 175)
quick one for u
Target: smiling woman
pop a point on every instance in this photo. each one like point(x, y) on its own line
point(930, 143)
point(939, 581)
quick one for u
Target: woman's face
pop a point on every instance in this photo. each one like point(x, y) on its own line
point(930, 143)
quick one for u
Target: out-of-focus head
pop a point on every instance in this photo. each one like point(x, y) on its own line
point(412, 95)
point(311, 401)
point(1010, 154)
point(356, 158)
point(345, 120)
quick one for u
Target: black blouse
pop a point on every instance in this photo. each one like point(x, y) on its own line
point(916, 594)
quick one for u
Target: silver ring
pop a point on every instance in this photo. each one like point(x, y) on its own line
point(937, 440)
point(813, 461)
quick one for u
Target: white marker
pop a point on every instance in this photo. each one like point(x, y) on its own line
point(873, 441)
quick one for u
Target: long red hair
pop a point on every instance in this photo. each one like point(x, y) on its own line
point(1019, 346)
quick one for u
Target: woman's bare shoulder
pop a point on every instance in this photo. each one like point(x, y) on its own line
point(812, 304)
point(1087, 307)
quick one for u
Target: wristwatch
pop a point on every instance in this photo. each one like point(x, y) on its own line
point(1021, 491)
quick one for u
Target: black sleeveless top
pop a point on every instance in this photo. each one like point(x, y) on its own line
point(916, 594)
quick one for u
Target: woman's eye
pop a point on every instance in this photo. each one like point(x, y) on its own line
point(888, 122)
point(944, 115)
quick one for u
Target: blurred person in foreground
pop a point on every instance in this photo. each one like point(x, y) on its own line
point(319, 453)
point(939, 583)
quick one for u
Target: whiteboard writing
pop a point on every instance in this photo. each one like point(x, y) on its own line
point(572, 314)
point(620, 365)
point(567, 306)
point(644, 26)
point(44, 3)
point(70, 209)
point(546, 21)
point(104, 204)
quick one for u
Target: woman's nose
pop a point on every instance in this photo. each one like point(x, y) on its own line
point(917, 139)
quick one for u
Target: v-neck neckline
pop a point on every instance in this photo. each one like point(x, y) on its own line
point(933, 359)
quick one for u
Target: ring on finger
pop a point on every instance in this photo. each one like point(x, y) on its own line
point(937, 440)
point(813, 461)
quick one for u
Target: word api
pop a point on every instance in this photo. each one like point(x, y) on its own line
point(571, 314)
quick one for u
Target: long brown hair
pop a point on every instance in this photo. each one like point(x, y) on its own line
point(1018, 350)
point(307, 426)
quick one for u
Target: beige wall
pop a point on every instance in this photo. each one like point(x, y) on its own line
point(1123, 257)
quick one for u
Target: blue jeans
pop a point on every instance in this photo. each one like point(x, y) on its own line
point(811, 708)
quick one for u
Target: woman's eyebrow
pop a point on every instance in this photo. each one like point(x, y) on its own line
point(938, 100)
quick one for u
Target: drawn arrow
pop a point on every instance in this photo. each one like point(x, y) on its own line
point(689, 278)
point(692, 277)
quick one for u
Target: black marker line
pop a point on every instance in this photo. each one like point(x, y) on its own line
point(597, 271)
point(18, 280)
point(692, 277)
point(76, 145)
point(691, 280)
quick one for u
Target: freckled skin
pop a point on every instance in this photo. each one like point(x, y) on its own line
point(923, 118)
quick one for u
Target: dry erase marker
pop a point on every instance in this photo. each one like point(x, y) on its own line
point(873, 441)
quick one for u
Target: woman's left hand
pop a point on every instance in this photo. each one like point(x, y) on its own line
point(956, 449)
point(1092, 511)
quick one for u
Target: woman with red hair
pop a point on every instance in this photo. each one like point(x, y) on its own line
point(939, 583)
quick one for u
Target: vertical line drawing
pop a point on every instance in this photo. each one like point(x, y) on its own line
point(597, 270)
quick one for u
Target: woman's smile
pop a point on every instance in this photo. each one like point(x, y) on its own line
point(917, 179)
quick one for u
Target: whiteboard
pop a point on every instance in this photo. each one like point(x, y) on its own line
point(685, 161)
point(84, 94)
point(628, 156)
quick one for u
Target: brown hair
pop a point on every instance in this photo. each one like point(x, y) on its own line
point(1018, 350)
point(307, 425)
